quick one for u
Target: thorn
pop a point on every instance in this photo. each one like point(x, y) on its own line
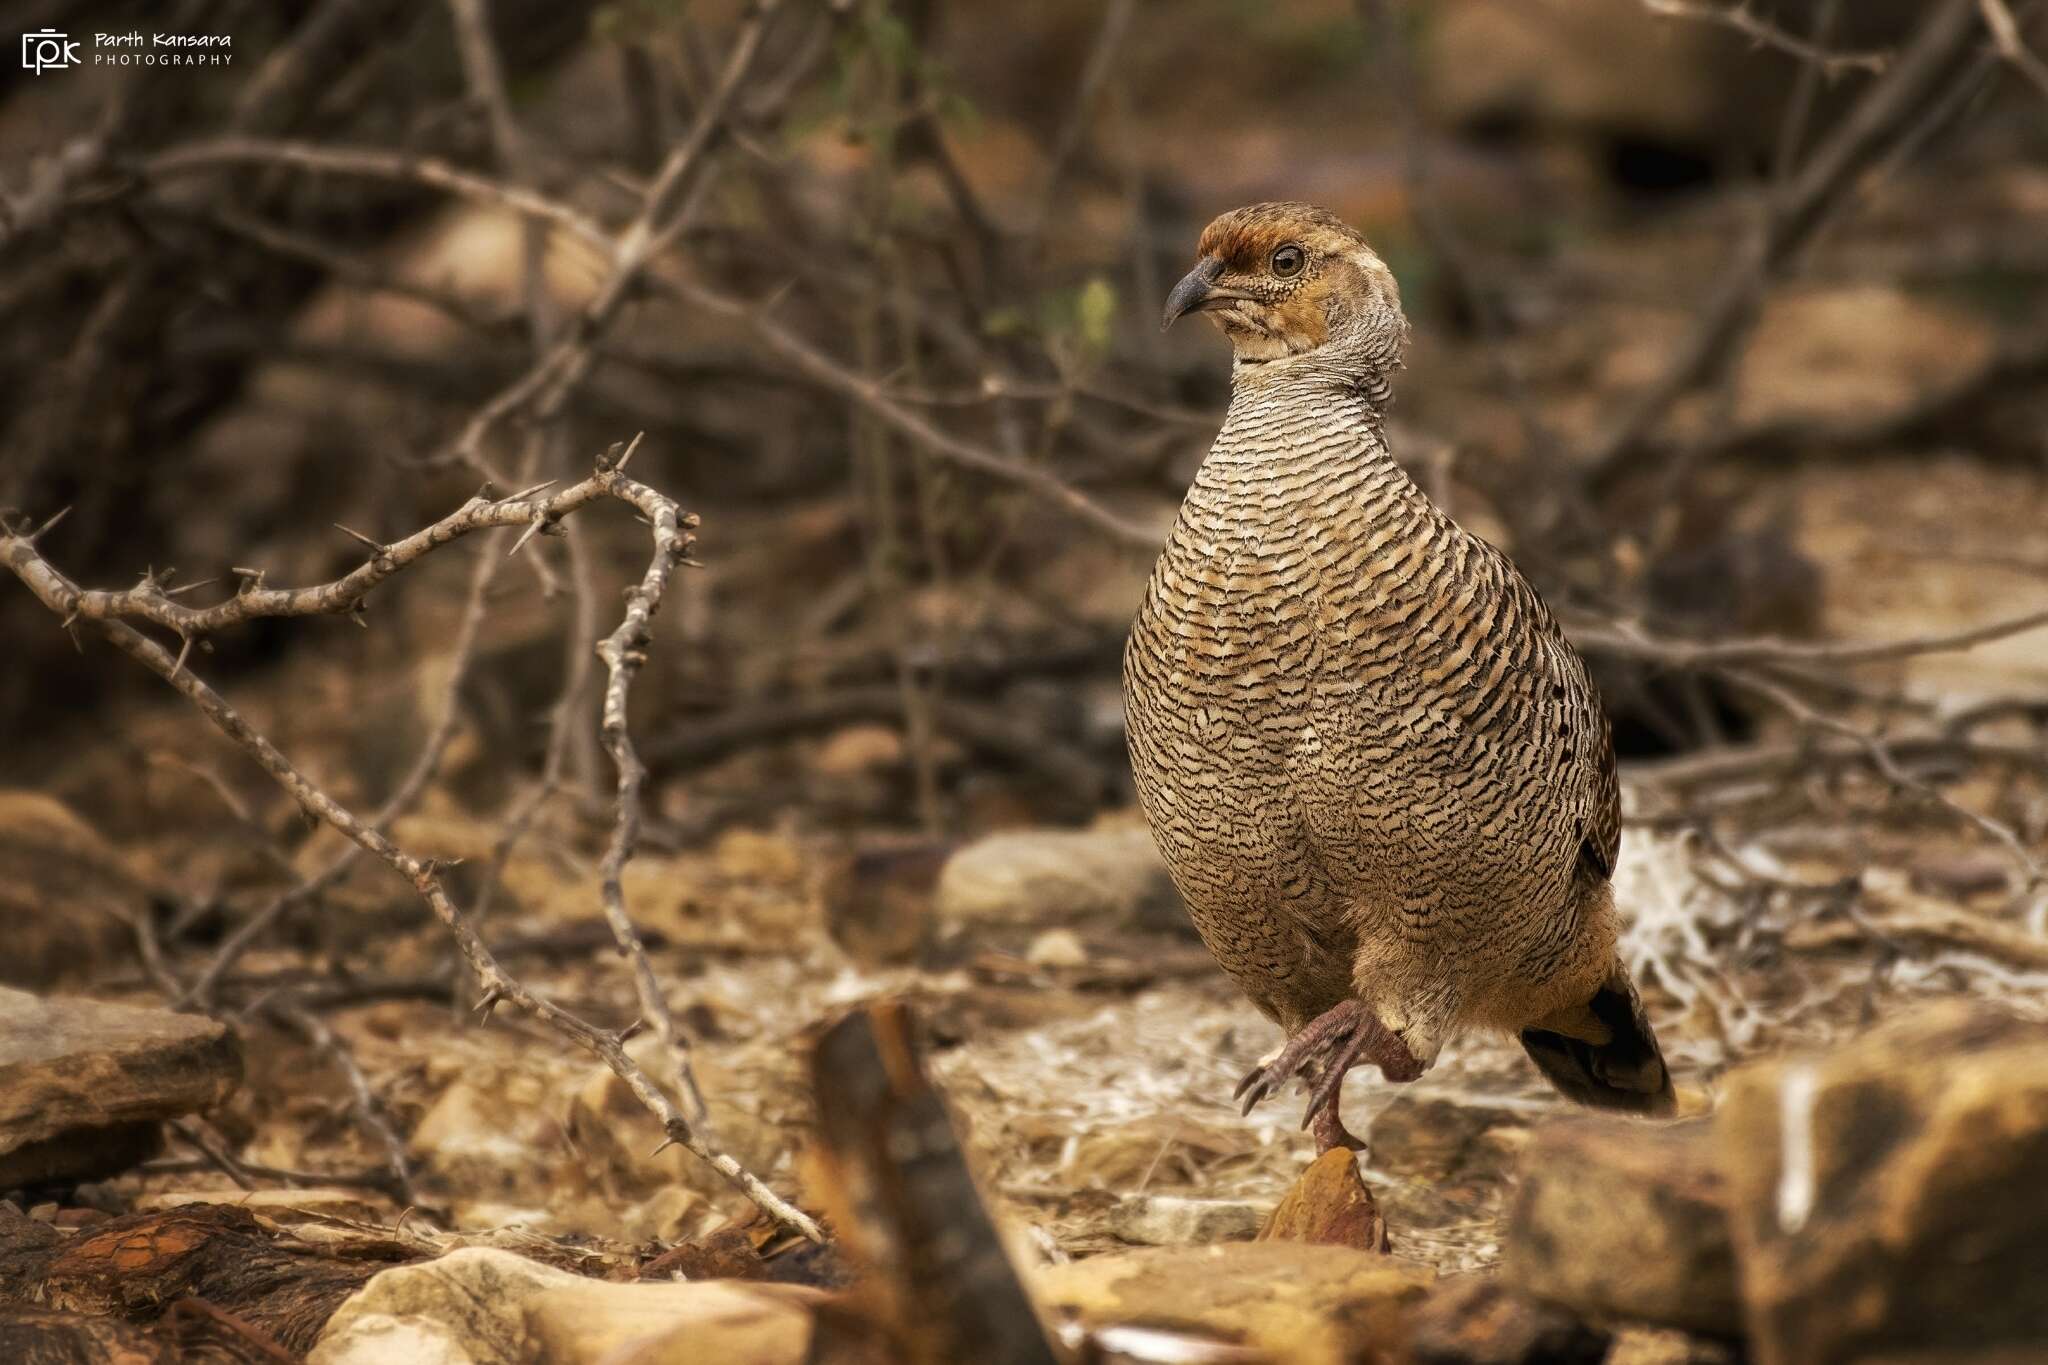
point(184, 652)
point(532, 528)
point(33, 536)
point(615, 456)
point(632, 1030)
point(488, 1002)
point(376, 550)
point(192, 587)
point(666, 1143)
point(523, 494)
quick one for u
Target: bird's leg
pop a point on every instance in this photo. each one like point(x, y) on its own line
point(1350, 1033)
point(1369, 1041)
point(1329, 1131)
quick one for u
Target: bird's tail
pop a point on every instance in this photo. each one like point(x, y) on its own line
point(1603, 1053)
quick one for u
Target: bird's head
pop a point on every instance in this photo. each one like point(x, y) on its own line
point(1287, 281)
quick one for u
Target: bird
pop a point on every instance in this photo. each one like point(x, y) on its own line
point(1381, 777)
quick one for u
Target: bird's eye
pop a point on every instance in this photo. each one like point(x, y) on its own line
point(1288, 261)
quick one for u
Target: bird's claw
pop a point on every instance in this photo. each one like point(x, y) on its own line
point(1347, 1031)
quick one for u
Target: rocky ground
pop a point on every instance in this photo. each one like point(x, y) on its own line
point(1831, 878)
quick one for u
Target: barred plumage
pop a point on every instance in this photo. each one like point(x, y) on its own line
point(1381, 776)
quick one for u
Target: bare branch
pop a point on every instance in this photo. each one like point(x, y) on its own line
point(623, 651)
point(377, 164)
point(148, 601)
point(63, 597)
point(2005, 32)
point(1626, 638)
point(827, 373)
point(1763, 33)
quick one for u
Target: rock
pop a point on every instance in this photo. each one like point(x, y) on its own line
point(481, 1306)
point(1889, 1200)
point(1107, 877)
point(1819, 352)
point(480, 1135)
point(1329, 1205)
point(1057, 948)
point(857, 749)
point(1444, 1163)
point(1306, 1305)
point(878, 900)
point(1623, 1218)
point(84, 1085)
point(1596, 65)
point(1167, 1220)
point(1615, 72)
point(622, 1145)
point(1659, 1346)
point(66, 897)
point(1477, 1320)
point(1448, 1143)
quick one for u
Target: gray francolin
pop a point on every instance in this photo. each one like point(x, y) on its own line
point(1378, 771)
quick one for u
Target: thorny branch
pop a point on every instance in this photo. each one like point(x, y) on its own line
point(18, 550)
point(1764, 33)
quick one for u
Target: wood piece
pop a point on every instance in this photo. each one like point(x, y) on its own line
point(133, 1267)
point(906, 1203)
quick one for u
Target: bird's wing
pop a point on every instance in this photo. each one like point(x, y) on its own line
point(1598, 785)
point(1536, 689)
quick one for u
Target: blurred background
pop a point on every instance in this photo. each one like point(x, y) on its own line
point(1728, 325)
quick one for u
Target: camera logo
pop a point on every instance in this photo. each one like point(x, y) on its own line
point(47, 50)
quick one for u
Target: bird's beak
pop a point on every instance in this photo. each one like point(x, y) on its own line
point(1195, 292)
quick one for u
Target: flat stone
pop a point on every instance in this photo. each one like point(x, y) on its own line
point(1305, 1305)
point(482, 1306)
point(1889, 1199)
point(84, 1084)
point(1329, 1205)
point(66, 896)
point(1107, 877)
point(1621, 1218)
point(1167, 1220)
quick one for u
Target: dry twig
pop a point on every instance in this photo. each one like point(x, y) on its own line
point(148, 602)
point(1763, 33)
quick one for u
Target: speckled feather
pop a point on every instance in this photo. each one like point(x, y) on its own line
point(1374, 764)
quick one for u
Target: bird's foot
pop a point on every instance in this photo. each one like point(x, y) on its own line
point(1321, 1053)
